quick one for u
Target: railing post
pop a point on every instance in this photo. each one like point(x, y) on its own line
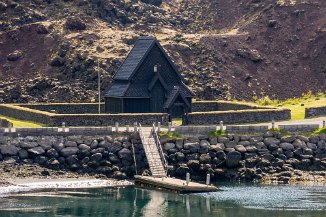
point(170, 127)
point(116, 127)
point(221, 126)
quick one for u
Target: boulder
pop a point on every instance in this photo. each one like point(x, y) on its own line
point(312, 146)
point(205, 159)
point(221, 155)
point(57, 61)
point(114, 158)
point(125, 154)
point(70, 144)
point(41, 160)
point(204, 144)
point(217, 147)
point(179, 144)
point(250, 54)
point(168, 146)
point(84, 147)
point(288, 139)
point(58, 146)
point(223, 139)
point(36, 151)
point(233, 158)
point(15, 55)
point(114, 147)
point(71, 160)
point(65, 152)
point(240, 148)
point(231, 144)
point(194, 156)
point(119, 175)
point(5, 123)
point(271, 141)
point(244, 143)
point(299, 144)
point(23, 154)
point(182, 170)
point(193, 165)
point(28, 145)
point(10, 150)
point(96, 157)
point(251, 148)
point(191, 145)
point(286, 146)
point(75, 24)
point(180, 156)
point(52, 153)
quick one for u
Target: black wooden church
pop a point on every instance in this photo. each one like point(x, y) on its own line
point(148, 82)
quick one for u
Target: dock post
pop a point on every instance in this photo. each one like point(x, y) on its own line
point(324, 124)
point(116, 127)
point(159, 127)
point(135, 127)
point(208, 179)
point(187, 178)
point(221, 126)
point(170, 127)
point(273, 124)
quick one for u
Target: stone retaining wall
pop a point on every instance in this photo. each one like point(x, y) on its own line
point(66, 108)
point(315, 112)
point(108, 155)
point(246, 157)
point(204, 106)
point(52, 119)
point(235, 117)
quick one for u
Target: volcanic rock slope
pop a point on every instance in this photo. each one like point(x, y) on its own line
point(50, 50)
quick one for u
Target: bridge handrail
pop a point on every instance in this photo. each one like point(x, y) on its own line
point(160, 150)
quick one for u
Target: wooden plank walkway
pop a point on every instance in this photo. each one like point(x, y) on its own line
point(175, 185)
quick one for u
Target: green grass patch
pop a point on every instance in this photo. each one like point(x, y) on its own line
point(217, 133)
point(20, 123)
point(170, 134)
point(320, 131)
point(296, 105)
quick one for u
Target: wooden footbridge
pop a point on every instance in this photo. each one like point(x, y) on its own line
point(158, 167)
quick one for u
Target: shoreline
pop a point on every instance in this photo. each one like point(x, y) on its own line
point(35, 184)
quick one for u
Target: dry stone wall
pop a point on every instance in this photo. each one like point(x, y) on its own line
point(315, 112)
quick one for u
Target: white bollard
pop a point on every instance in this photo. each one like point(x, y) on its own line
point(208, 179)
point(159, 127)
point(273, 124)
point(135, 127)
point(116, 127)
point(221, 126)
point(187, 178)
point(324, 124)
point(170, 127)
point(127, 128)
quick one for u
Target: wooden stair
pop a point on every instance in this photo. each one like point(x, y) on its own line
point(152, 153)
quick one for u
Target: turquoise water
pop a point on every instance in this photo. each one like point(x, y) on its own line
point(235, 200)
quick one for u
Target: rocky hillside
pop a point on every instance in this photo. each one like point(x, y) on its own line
point(50, 50)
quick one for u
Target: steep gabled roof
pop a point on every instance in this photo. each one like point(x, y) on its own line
point(173, 96)
point(117, 89)
point(137, 56)
point(155, 78)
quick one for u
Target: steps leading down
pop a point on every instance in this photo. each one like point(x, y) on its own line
point(152, 154)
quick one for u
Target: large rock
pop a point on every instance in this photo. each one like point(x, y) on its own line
point(125, 154)
point(23, 154)
point(204, 144)
point(28, 145)
point(65, 152)
point(96, 157)
point(5, 123)
point(193, 165)
point(114, 158)
point(84, 147)
point(52, 153)
point(10, 150)
point(75, 23)
point(217, 147)
point(194, 156)
point(191, 145)
point(58, 146)
point(70, 144)
point(182, 170)
point(286, 146)
point(14, 55)
point(168, 146)
point(36, 151)
point(299, 144)
point(240, 148)
point(115, 147)
point(271, 141)
point(288, 139)
point(205, 159)
point(233, 158)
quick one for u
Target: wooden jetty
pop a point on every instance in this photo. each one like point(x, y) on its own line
point(173, 184)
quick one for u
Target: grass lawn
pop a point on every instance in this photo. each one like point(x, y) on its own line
point(20, 123)
point(296, 105)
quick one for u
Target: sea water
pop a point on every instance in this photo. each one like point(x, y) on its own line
point(252, 200)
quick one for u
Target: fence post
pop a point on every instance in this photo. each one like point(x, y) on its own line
point(158, 126)
point(116, 127)
point(221, 126)
point(324, 124)
point(127, 128)
point(187, 178)
point(170, 127)
point(273, 124)
point(135, 127)
point(208, 179)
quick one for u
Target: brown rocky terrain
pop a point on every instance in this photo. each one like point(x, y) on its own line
point(50, 50)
